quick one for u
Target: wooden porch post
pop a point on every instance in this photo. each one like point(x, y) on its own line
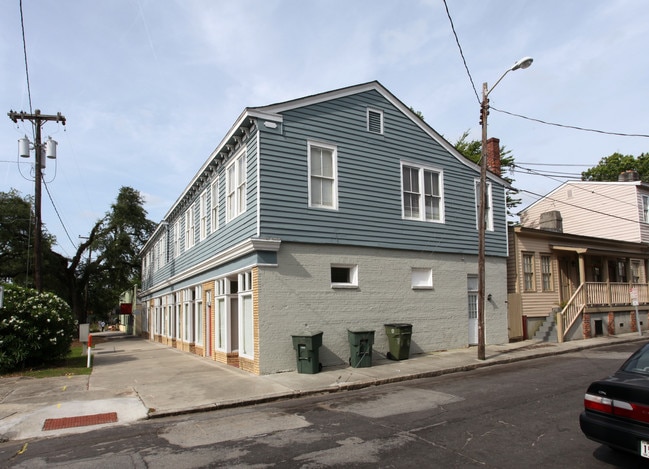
point(582, 269)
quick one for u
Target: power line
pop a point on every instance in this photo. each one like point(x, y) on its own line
point(540, 121)
point(457, 41)
point(584, 189)
point(22, 24)
point(574, 127)
point(557, 164)
point(576, 206)
point(516, 166)
point(56, 210)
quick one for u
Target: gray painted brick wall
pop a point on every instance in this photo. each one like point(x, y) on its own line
point(297, 295)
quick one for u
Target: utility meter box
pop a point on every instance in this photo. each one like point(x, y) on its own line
point(84, 332)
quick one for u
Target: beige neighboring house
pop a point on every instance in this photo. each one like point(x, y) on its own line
point(581, 251)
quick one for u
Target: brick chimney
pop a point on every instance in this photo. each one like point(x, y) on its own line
point(493, 155)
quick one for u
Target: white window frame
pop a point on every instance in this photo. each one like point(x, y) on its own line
point(164, 247)
point(176, 235)
point(353, 276)
point(188, 317)
point(380, 113)
point(422, 278)
point(178, 316)
point(214, 206)
point(489, 213)
point(547, 282)
point(645, 208)
point(246, 316)
point(202, 213)
point(235, 187)
point(422, 196)
point(190, 232)
point(221, 315)
point(529, 271)
point(332, 179)
point(198, 315)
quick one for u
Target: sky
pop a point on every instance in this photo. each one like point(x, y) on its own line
point(150, 87)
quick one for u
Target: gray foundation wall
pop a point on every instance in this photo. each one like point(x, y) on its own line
point(297, 295)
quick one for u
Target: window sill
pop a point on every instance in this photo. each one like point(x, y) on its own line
point(343, 286)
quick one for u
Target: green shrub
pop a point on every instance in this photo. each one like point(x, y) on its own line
point(35, 328)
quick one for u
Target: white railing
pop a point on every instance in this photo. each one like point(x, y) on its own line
point(598, 294)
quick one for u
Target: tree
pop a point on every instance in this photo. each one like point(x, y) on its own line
point(610, 167)
point(107, 263)
point(472, 149)
point(16, 245)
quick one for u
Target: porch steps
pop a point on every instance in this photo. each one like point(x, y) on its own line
point(548, 330)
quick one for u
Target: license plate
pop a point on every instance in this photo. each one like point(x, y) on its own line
point(644, 449)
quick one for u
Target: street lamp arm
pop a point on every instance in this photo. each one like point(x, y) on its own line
point(523, 63)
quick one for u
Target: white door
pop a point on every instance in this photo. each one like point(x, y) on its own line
point(472, 293)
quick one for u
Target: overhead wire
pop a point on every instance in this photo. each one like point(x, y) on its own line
point(457, 41)
point(56, 210)
point(581, 187)
point(29, 96)
point(573, 127)
point(22, 25)
point(540, 121)
point(560, 201)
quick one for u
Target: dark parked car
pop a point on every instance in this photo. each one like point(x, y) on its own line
point(617, 408)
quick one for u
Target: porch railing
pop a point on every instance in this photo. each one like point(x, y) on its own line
point(593, 294)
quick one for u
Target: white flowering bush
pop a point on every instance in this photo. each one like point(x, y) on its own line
point(34, 328)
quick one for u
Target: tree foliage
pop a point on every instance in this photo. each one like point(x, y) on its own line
point(610, 167)
point(472, 150)
point(105, 264)
point(35, 328)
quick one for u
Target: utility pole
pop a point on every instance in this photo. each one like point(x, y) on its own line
point(484, 112)
point(37, 119)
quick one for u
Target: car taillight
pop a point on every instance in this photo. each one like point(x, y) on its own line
point(616, 407)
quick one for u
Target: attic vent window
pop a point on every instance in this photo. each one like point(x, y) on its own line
point(375, 121)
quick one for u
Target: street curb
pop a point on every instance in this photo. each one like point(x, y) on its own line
point(375, 382)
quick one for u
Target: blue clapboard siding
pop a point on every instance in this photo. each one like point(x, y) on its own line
point(369, 188)
point(228, 234)
point(369, 182)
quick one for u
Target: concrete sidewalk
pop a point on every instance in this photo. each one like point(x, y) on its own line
point(135, 379)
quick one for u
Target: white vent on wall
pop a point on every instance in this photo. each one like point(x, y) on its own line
point(375, 121)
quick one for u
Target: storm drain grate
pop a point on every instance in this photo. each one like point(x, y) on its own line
point(81, 421)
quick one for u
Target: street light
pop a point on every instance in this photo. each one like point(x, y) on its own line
point(523, 63)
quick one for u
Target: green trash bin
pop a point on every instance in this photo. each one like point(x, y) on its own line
point(360, 348)
point(399, 340)
point(307, 348)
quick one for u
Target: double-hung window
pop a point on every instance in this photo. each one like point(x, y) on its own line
point(422, 193)
point(189, 228)
point(235, 183)
point(645, 208)
point(546, 273)
point(323, 186)
point(488, 211)
point(246, 316)
point(214, 207)
point(202, 231)
point(198, 315)
point(528, 271)
point(176, 235)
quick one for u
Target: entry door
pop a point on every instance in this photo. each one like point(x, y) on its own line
point(565, 275)
point(472, 294)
